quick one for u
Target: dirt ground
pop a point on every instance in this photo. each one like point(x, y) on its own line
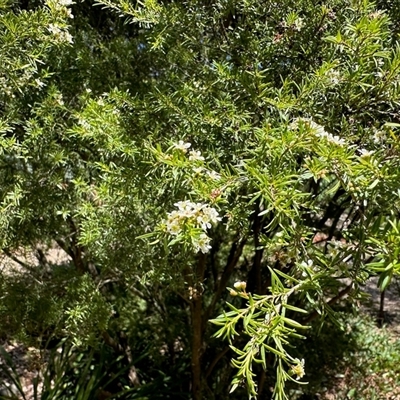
point(391, 304)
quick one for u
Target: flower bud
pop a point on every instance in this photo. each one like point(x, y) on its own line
point(233, 293)
point(240, 285)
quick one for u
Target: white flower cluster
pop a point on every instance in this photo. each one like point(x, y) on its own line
point(307, 266)
point(379, 136)
point(298, 24)
point(60, 34)
point(333, 76)
point(318, 131)
point(194, 155)
point(59, 99)
point(82, 122)
point(331, 138)
point(196, 214)
point(61, 6)
point(215, 176)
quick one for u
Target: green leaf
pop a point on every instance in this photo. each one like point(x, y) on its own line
point(294, 323)
point(384, 280)
point(274, 351)
point(293, 308)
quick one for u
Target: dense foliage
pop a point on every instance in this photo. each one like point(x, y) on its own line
point(172, 149)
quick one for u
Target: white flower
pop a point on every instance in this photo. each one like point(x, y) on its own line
point(66, 37)
point(376, 14)
point(182, 204)
point(298, 369)
point(201, 214)
point(63, 36)
point(212, 214)
point(198, 207)
point(174, 215)
point(69, 13)
point(59, 3)
point(195, 156)
point(204, 222)
point(188, 212)
point(54, 29)
point(379, 136)
point(65, 3)
point(182, 146)
point(317, 129)
point(335, 140)
point(198, 170)
point(202, 243)
point(320, 131)
point(307, 264)
point(215, 176)
point(186, 208)
point(334, 76)
point(173, 227)
point(39, 83)
point(82, 122)
point(298, 24)
point(59, 99)
point(173, 223)
point(365, 153)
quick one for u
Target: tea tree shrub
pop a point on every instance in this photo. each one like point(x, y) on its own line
point(172, 150)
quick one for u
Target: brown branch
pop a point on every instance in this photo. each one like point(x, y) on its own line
point(215, 361)
point(64, 247)
point(112, 343)
point(233, 258)
point(17, 260)
point(41, 257)
point(127, 353)
point(197, 331)
point(76, 249)
point(75, 252)
point(381, 313)
point(214, 269)
point(185, 299)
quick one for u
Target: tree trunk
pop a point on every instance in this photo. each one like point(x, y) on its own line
point(197, 331)
point(196, 346)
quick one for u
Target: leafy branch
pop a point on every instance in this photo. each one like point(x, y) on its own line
point(264, 319)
